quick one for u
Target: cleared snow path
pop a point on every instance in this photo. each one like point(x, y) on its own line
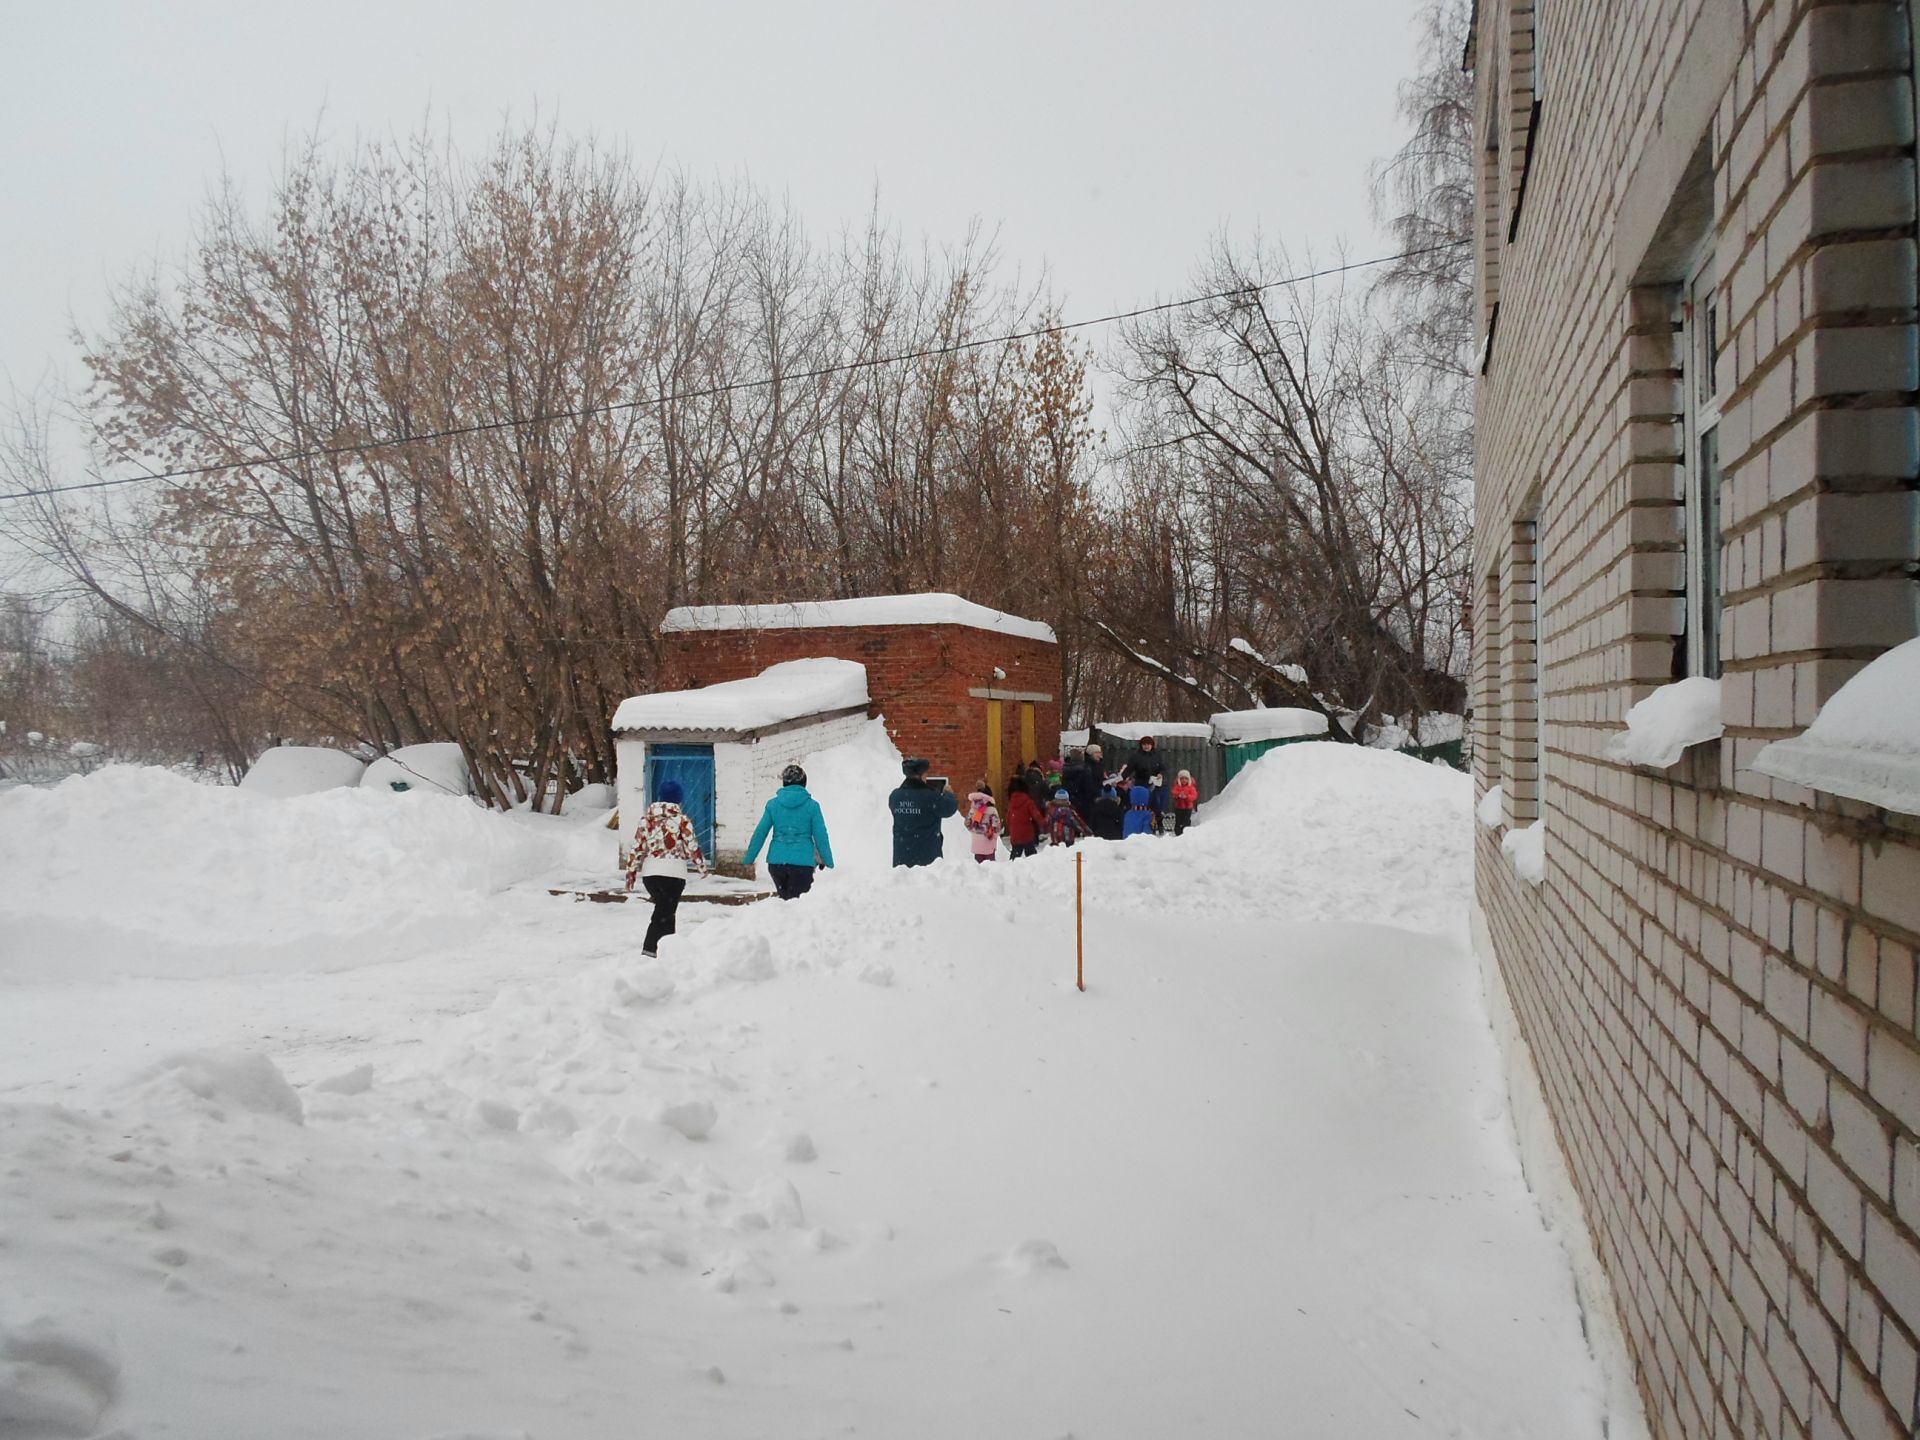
point(862, 1164)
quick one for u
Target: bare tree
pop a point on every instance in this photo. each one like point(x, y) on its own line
point(1285, 472)
point(463, 431)
point(1423, 195)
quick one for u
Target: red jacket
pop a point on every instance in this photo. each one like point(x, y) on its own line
point(1186, 795)
point(1023, 819)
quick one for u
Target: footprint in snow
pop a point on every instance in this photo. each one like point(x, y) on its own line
point(1033, 1257)
point(54, 1383)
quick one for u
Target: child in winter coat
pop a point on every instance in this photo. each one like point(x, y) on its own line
point(1107, 816)
point(664, 846)
point(1024, 820)
point(983, 824)
point(1064, 825)
point(1139, 812)
point(1186, 796)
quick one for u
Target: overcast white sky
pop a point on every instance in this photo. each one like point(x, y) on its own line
point(1105, 142)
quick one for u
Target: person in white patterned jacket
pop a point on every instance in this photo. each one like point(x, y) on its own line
point(665, 851)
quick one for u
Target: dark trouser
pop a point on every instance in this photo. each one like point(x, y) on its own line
point(1181, 819)
point(1032, 847)
point(790, 882)
point(665, 890)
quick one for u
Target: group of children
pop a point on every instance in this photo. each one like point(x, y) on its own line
point(1061, 806)
point(1042, 805)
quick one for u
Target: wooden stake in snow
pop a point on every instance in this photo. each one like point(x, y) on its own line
point(1079, 919)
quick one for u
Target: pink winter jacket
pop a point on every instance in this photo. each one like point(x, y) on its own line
point(985, 829)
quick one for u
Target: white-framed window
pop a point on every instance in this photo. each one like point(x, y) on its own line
point(1527, 535)
point(1490, 704)
point(1700, 327)
point(1523, 694)
point(1540, 8)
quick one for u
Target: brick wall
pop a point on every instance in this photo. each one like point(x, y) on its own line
point(1717, 975)
point(919, 678)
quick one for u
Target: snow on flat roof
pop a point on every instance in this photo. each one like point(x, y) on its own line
point(791, 690)
point(931, 609)
point(1239, 727)
point(1865, 742)
point(1159, 729)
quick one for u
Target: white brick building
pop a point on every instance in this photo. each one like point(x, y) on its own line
point(726, 744)
point(1697, 454)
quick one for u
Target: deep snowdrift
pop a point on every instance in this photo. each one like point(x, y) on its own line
point(152, 857)
point(866, 1162)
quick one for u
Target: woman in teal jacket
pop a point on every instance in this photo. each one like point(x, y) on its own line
point(799, 833)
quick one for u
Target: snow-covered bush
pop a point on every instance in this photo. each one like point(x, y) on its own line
point(437, 766)
point(288, 770)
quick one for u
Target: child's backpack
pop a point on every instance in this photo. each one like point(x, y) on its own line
point(981, 820)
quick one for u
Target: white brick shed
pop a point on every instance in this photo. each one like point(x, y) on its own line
point(727, 744)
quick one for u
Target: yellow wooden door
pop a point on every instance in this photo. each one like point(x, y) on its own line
point(994, 771)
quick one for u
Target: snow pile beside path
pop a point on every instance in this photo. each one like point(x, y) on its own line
point(1306, 833)
point(1335, 832)
point(289, 770)
point(143, 850)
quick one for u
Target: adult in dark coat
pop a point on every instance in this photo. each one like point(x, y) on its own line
point(1082, 785)
point(918, 808)
point(1148, 767)
point(1035, 782)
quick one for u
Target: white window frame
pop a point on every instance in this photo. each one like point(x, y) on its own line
point(1540, 8)
point(1705, 388)
point(1539, 677)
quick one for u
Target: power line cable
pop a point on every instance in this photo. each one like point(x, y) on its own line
point(361, 447)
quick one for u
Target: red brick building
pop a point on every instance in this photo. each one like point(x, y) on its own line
point(973, 690)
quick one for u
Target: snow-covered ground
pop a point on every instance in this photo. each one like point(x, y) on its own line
point(320, 1117)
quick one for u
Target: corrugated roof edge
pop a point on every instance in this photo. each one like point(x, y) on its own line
point(935, 608)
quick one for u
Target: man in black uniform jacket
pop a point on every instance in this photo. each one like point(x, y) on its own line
point(918, 808)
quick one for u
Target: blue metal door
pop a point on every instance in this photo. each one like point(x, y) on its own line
point(692, 766)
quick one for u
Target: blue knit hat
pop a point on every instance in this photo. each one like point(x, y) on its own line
point(670, 792)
